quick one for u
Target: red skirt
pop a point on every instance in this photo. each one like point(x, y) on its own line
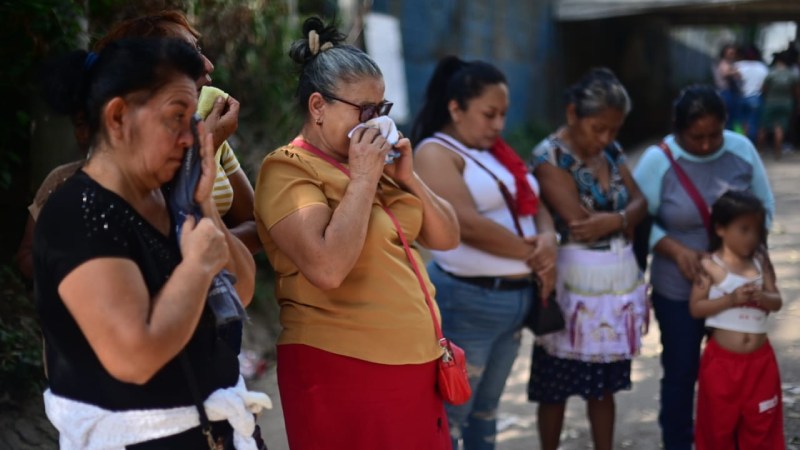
point(333, 402)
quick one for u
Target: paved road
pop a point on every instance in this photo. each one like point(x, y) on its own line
point(637, 410)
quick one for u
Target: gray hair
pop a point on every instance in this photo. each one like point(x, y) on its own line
point(323, 67)
point(598, 90)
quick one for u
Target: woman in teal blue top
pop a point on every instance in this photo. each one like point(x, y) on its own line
point(715, 160)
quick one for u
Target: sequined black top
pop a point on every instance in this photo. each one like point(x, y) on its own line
point(82, 221)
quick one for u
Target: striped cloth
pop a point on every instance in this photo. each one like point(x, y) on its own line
point(227, 164)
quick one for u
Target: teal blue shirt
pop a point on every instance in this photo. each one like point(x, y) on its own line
point(735, 166)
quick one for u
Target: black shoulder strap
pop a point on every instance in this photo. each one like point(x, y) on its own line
point(191, 381)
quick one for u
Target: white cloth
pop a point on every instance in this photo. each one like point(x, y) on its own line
point(466, 260)
point(388, 130)
point(384, 124)
point(82, 426)
point(753, 75)
point(744, 319)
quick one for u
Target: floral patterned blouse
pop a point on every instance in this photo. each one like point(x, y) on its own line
point(593, 197)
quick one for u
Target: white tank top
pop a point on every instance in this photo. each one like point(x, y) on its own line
point(744, 319)
point(468, 261)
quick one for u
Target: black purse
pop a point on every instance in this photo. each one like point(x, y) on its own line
point(545, 315)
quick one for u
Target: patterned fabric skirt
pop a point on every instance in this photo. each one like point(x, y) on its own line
point(555, 379)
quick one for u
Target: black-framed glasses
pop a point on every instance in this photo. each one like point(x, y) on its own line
point(366, 112)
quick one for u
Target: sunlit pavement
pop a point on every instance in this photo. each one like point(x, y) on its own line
point(637, 409)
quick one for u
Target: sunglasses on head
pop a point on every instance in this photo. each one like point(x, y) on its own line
point(366, 112)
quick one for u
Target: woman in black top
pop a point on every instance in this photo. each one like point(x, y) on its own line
point(122, 297)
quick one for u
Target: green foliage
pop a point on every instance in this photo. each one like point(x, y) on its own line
point(248, 43)
point(524, 138)
point(37, 28)
point(21, 371)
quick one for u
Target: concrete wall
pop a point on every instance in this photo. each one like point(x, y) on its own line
point(516, 35)
point(654, 55)
point(540, 56)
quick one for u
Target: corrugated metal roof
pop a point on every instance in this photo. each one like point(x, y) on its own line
point(577, 10)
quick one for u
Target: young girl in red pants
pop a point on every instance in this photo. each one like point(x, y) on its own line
point(739, 389)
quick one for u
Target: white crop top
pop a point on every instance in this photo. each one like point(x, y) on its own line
point(468, 261)
point(744, 319)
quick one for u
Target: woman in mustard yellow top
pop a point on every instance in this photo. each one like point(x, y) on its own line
point(357, 355)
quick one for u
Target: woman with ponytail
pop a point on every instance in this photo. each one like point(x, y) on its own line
point(358, 352)
point(600, 289)
point(487, 284)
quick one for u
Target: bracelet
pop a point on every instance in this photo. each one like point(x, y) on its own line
point(624, 216)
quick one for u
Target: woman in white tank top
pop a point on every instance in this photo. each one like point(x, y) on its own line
point(485, 286)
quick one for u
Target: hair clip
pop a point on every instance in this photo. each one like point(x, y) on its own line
point(313, 42)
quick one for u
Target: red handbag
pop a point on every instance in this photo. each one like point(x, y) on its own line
point(452, 381)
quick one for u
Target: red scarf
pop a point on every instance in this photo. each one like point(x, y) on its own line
point(527, 202)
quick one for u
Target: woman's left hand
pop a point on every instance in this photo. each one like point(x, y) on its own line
point(401, 169)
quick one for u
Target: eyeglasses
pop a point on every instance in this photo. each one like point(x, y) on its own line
point(366, 112)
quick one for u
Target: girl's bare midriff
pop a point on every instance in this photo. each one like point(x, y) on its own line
point(738, 342)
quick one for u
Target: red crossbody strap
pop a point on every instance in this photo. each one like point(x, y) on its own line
point(689, 187)
point(410, 256)
point(298, 142)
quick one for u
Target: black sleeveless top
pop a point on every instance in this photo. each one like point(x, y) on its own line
point(81, 221)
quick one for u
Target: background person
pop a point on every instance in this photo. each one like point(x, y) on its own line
point(752, 71)
point(233, 194)
point(121, 297)
point(357, 354)
point(596, 204)
point(715, 161)
point(728, 81)
point(485, 286)
point(781, 91)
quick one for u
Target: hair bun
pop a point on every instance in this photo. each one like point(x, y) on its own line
point(317, 37)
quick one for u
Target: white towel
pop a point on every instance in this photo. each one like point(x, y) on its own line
point(82, 426)
point(388, 130)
